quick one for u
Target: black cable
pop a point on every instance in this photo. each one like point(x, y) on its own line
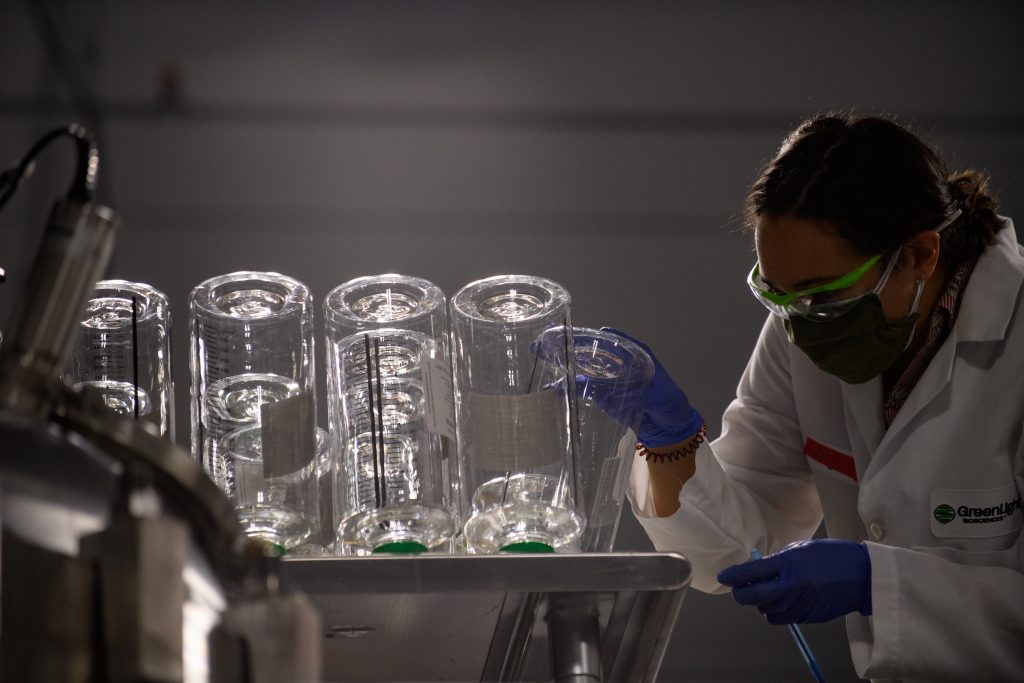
point(83, 187)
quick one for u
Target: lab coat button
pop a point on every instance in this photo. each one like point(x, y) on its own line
point(877, 530)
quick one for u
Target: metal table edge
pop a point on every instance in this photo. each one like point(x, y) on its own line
point(583, 572)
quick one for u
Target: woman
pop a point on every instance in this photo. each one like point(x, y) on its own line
point(885, 395)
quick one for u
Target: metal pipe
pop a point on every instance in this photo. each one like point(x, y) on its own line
point(574, 631)
point(76, 248)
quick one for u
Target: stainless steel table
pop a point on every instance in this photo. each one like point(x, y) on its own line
point(578, 618)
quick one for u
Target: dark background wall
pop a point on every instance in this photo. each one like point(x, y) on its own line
point(605, 145)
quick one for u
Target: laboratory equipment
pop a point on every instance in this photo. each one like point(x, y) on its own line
point(564, 617)
point(389, 300)
point(391, 415)
point(324, 540)
point(612, 374)
point(518, 435)
point(253, 406)
point(119, 555)
point(124, 351)
point(665, 416)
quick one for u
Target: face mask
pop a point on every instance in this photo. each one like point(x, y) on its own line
point(860, 344)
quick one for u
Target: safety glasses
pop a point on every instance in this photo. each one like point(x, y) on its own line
point(823, 302)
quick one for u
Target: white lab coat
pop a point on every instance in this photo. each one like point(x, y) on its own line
point(947, 597)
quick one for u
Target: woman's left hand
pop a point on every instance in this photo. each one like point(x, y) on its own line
point(806, 582)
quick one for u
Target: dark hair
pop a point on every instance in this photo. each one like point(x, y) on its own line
point(875, 184)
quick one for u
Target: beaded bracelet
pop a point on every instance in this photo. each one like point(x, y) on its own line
point(670, 456)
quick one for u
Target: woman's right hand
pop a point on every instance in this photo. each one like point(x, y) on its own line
point(666, 416)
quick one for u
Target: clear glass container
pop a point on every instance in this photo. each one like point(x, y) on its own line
point(321, 542)
point(390, 300)
point(391, 415)
point(124, 351)
point(517, 432)
point(612, 374)
point(253, 404)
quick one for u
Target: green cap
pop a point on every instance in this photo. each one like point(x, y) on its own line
point(527, 547)
point(401, 547)
point(271, 549)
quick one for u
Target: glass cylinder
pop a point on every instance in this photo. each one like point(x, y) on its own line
point(612, 374)
point(390, 300)
point(391, 415)
point(321, 542)
point(124, 351)
point(253, 403)
point(517, 433)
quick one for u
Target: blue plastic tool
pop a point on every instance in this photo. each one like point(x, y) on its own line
point(798, 636)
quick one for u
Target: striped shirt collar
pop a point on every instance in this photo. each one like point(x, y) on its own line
point(941, 321)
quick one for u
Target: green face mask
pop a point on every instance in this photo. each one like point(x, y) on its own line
point(860, 344)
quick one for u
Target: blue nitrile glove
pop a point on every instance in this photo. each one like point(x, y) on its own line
point(805, 583)
point(666, 416)
point(617, 395)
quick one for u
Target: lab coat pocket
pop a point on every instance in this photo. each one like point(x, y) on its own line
point(977, 521)
point(976, 513)
point(988, 552)
point(981, 518)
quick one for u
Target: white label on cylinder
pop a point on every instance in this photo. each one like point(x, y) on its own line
point(439, 414)
point(517, 432)
point(288, 433)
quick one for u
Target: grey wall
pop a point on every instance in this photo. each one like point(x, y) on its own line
point(605, 145)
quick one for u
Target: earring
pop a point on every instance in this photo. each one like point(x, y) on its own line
point(919, 290)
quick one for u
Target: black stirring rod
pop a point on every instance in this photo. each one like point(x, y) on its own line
point(135, 354)
point(373, 424)
point(380, 425)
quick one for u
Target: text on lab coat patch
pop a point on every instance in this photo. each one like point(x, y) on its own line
point(976, 514)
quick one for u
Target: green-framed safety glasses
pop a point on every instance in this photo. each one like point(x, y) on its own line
point(816, 302)
point(820, 303)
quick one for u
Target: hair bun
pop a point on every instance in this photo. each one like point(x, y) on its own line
point(969, 189)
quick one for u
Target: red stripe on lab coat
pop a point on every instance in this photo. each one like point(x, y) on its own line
point(832, 459)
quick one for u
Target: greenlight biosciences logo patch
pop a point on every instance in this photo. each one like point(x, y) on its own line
point(945, 514)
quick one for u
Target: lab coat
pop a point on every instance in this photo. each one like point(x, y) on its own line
point(936, 497)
